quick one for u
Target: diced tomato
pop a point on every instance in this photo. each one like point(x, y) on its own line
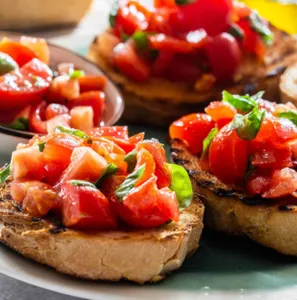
point(164, 3)
point(92, 83)
point(24, 86)
point(104, 147)
point(85, 164)
point(163, 42)
point(85, 207)
point(241, 11)
point(28, 162)
point(38, 46)
point(53, 171)
point(136, 138)
point(228, 156)
point(82, 117)
point(212, 15)
point(62, 89)
point(111, 183)
point(221, 112)
point(224, 55)
point(130, 63)
point(146, 206)
point(192, 129)
point(65, 68)
point(283, 182)
point(258, 182)
point(120, 132)
point(160, 21)
point(124, 144)
point(19, 188)
point(54, 109)
point(95, 99)
point(61, 120)
point(40, 199)
point(162, 62)
point(145, 158)
point(17, 51)
point(158, 152)
point(36, 117)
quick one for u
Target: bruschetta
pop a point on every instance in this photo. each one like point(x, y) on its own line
point(99, 205)
point(241, 156)
point(168, 62)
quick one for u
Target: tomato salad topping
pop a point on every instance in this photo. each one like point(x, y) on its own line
point(97, 178)
point(182, 39)
point(246, 141)
point(36, 99)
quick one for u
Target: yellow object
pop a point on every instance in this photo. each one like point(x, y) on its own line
point(281, 13)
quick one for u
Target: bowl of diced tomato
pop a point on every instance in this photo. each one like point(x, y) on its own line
point(43, 86)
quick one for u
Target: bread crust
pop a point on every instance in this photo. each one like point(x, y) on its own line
point(160, 102)
point(135, 255)
point(234, 212)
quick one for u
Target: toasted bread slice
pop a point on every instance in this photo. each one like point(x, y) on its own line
point(160, 102)
point(288, 85)
point(136, 255)
point(234, 212)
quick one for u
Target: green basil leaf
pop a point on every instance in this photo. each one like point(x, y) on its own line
point(72, 131)
point(258, 96)
point(7, 64)
point(81, 183)
point(248, 126)
point(129, 183)
point(140, 39)
point(181, 185)
point(5, 174)
point(76, 74)
point(110, 170)
point(241, 103)
point(41, 146)
point(236, 31)
point(260, 27)
point(130, 159)
point(250, 168)
point(113, 13)
point(207, 141)
point(290, 115)
point(184, 2)
point(19, 124)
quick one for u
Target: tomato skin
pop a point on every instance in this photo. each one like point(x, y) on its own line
point(120, 132)
point(95, 99)
point(17, 51)
point(82, 117)
point(92, 83)
point(228, 156)
point(20, 86)
point(164, 3)
point(136, 138)
point(147, 207)
point(221, 112)
point(192, 129)
point(54, 109)
point(162, 62)
point(224, 55)
point(283, 182)
point(36, 124)
point(145, 158)
point(130, 64)
point(85, 207)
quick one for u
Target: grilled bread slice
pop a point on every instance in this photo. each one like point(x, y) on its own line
point(136, 255)
point(160, 102)
point(234, 212)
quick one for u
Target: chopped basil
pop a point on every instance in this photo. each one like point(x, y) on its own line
point(290, 115)
point(7, 64)
point(260, 27)
point(207, 141)
point(130, 159)
point(125, 188)
point(248, 126)
point(184, 2)
point(76, 74)
point(258, 96)
point(250, 168)
point(19, 124)
point(236, 31)
point(81, 183)
point(110, 170)
point(41, 146)
point(140, 39)
point(181, 185)
point(5, 174)
point(241, 103)
point(72, 131)
point(113, 13)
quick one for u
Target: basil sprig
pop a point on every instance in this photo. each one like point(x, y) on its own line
point(248, 126)
point(207, 141)
point(236, 31)
point(140, 39)
point(110, 170)
point(5, 174)
point(181, 185)
point(131, 160)
point(129, 183)
point(19, 124)
point(82, 183)
point(72, 131)
point(290, 115)
point(41, 146)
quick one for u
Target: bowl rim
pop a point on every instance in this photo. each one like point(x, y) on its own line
point(28, 134)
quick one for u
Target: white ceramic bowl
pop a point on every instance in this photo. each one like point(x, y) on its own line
point(114, 104)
